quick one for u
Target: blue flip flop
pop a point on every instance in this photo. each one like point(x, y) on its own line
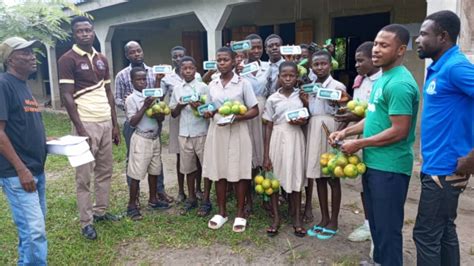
point(315, 230)
point(328, 234)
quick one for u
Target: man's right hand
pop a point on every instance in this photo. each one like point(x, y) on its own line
point(336, 136)
point(26, 180)
point(83, 133)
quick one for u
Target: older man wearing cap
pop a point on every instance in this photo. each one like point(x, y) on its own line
point(23, 150)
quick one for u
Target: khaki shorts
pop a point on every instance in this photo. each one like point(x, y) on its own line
point(190, 150)
point(144, 158)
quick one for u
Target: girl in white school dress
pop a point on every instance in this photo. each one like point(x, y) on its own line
point(228, 149)
point(284, 148)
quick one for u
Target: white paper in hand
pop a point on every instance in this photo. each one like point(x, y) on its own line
point(68, 145)
point(162, 69)
point(78, 160)
point(226, 120)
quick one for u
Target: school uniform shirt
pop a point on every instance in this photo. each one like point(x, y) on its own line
point(447, 120)
point(232, 92)
point(362, 93)
point(89, 73)
point(259, 81)
point(278, 105)
point(272, 78)
point(395, 93)
point(321, 106)
point(173, 80)
point(189, 124)
point(133, 103)
point(124, 86)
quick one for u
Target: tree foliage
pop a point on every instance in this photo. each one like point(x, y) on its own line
point(45, 21)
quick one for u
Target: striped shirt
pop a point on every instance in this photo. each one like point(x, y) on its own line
point(89, 74)
point(124, 86)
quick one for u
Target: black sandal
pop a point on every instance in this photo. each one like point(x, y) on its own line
point(159, 205)
point(299, 231)
point(188, 206)
point(134, 214)
point(204, 209)
point(272, 230)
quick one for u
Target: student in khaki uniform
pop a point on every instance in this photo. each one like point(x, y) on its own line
point(228, 150)
point(258, 80)
point(145, 147)
point(322, 110)
point(169, 82)
point(192, 129)
point(285, 146)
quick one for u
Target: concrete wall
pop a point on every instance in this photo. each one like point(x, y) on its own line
point(465, 10)
point(466, 40)
point(132, 15)
point(322, 11)
point(157, 38)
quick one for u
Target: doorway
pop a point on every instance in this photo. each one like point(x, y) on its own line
point(350, 32)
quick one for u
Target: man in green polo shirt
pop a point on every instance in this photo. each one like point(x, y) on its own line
point(388, 136)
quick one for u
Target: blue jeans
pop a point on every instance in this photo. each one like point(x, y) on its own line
point(385, 194)
point(127, 135)
point(29, 213)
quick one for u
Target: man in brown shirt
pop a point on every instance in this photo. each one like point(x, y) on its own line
point(85, 84)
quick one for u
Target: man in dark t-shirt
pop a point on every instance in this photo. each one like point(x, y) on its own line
point(23, 150)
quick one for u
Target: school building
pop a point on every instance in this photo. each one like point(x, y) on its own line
point(202, 26)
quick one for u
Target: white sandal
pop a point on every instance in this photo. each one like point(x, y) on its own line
point(218, 221)
point(239, 222)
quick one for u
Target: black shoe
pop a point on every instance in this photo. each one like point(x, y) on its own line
point(89, 232)
point(106, 217)
point(188, 206)
point(159, 205)
point(181, 198)
point(199, 195)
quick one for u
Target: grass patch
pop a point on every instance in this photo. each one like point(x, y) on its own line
point(158, 229)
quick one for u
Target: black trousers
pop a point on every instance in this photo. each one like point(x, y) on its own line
point(385, 194)
point(435, 232)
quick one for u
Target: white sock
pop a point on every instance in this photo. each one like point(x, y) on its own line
point(366, 223)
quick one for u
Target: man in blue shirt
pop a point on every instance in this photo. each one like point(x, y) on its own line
point(447, 139)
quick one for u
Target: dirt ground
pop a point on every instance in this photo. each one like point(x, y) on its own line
point(288, 249)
